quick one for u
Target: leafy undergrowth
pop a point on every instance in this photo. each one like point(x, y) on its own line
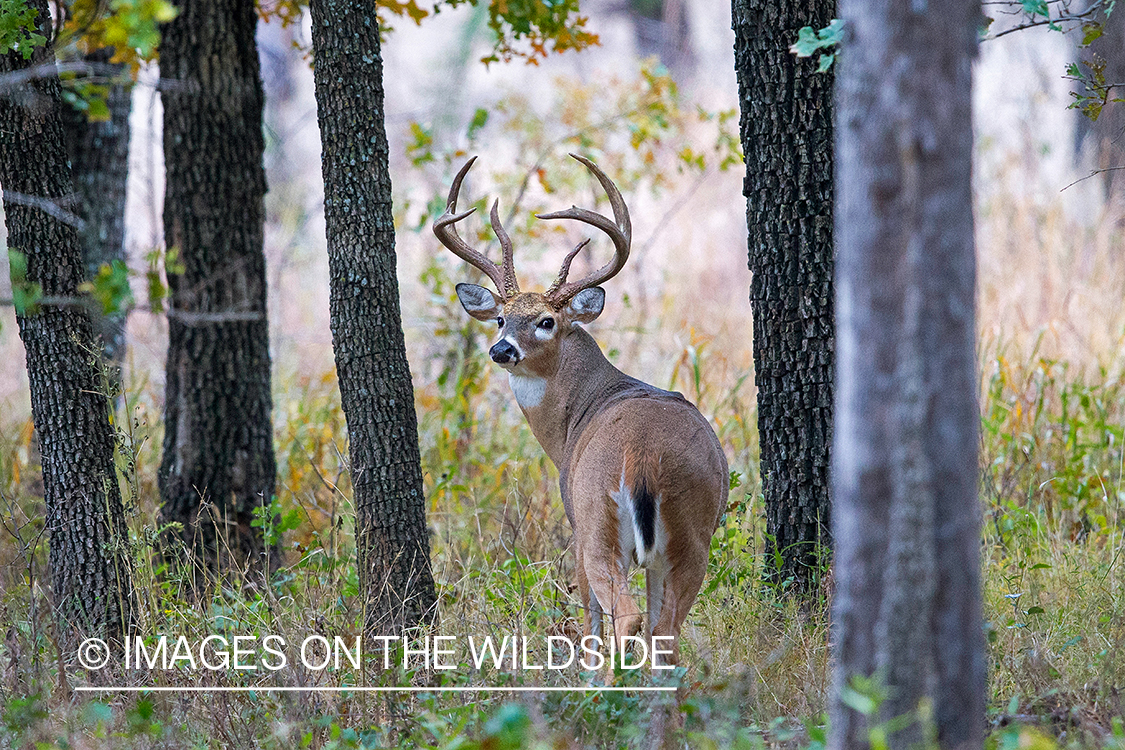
point(758, 675)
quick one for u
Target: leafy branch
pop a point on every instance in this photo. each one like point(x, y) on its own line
point(1057, 15)
point(17, 28)
point(526, 29)
point(810, 41)
point(1062, 16)
point(1096, 91)
point(108, 292)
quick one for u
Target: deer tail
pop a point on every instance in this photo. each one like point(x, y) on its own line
point(640, 484)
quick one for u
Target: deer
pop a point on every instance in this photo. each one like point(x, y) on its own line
point(642, 475)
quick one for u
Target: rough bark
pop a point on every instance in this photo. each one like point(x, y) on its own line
point(786, 128)
point(89, 565)
point(908, 600)
point(99, 164)
point(218, 463)
point(391, 534)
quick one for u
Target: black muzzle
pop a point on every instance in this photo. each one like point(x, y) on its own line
point(503, 353)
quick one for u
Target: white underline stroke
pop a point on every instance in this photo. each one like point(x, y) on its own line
point(449, 689)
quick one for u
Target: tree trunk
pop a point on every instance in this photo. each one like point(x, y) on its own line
point(99, 165)
point(391, 534)
point(218, 463)
point(908, 599)
point(786, 128)
point(89, 564)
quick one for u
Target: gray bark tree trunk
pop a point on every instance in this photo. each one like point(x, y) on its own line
point(99, 165)
point(218, 463)
point(786, 128)
point(89, 565)
point(391, 535)
point(907, 518)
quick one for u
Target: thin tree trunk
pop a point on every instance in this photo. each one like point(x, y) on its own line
point(908, 599)
point(218, 463)
point(391, 534)
point(786, 127)
point(89, 564)
point(99, 164)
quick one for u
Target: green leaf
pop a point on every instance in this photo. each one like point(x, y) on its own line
point(130, 27)
point(96, 713)
point(480, 118)
point(25, 294)
point(1035, 7)
point(17, 28)
point(110, 287)
point(807, 42)
point(420, 149)
point(810, 41)
point(17, 266)
point(857, 701)
point(833, 33)
point(1070, 642)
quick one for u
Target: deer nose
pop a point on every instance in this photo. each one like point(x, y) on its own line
point(503, 352)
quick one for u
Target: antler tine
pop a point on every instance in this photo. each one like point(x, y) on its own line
point(446, 232)
point(566, 268)
point(619, 230)
point(508, 269)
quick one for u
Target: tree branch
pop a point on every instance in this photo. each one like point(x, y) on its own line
point(48, 206)
point(10, 82)
point(1093, 174)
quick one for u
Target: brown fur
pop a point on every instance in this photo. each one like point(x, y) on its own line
point(596, 424)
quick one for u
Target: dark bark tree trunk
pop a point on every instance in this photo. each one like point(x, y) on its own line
point(786, 127)
point(218, 462)
point(99, 165)
point(908, 598)
point(89, 564)
point(391, 534)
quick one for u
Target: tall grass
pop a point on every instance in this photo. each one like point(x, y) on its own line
point(1052, 490)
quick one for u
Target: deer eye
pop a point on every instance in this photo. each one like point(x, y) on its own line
point(547, 324)
point(500, 322)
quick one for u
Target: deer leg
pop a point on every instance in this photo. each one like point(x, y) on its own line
point(591, 609)
point(654, 595)
point(682, 586)
point(609, 586)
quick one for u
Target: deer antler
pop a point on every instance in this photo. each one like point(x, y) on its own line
point(619, 230)
point(504, 277)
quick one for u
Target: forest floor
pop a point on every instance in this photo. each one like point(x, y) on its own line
point(757, 663)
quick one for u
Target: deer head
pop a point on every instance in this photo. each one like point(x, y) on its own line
point(532, 324)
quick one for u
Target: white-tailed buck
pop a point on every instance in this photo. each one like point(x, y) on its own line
point(643, 477)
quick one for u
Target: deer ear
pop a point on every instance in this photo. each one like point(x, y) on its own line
point(586, 305)
point(479, 302)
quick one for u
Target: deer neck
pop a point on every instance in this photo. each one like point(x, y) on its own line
point(556, 405)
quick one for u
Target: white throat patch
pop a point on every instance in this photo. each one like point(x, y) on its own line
point(528, 389)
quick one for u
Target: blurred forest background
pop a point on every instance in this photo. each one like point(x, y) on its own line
point(659, 95)
point(1048, 268)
